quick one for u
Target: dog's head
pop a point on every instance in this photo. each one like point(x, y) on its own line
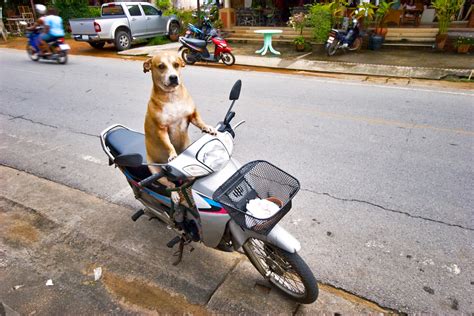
point(165, 70)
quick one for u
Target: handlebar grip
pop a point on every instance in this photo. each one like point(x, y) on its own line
point(151, 179)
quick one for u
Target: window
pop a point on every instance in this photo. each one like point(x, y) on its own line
point(112, 9)
point(134, 10)
point(149, 10)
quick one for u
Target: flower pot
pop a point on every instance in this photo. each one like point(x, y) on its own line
point(463, 48)
point(441, 41)
point(375, 42)
point(382, 31)
point(300, 47)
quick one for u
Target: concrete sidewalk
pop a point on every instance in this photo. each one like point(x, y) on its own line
point(52, 232)
point(422, 64)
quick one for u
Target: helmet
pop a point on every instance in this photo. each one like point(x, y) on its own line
point(41, 9)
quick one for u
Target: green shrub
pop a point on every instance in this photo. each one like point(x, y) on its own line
point(71, 9)
point(445, 10)
point(184, 17)
point(164, 5)
point(321, 20)
point(159, 40)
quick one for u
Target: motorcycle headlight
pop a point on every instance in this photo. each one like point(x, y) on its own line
point(195, 171)
point(214, 155)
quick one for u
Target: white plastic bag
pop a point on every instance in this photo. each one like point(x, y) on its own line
point(261, 209)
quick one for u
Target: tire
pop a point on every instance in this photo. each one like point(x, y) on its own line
point(277, 265)
point(356, 45)
point(97, 45)
point(32, 53)
point(331, 48)
point(62, 59)
point(123, 41)
point(228, 59)
point(185, 52)
point(174, 30)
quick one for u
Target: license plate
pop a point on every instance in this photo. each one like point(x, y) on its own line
point(85, 37)
point(331, 39)
point(64, 46)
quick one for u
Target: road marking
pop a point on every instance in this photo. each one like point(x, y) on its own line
point(92, 159)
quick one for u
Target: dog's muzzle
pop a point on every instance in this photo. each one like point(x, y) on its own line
point(174, 81)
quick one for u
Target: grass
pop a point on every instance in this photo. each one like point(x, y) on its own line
point(159, 40)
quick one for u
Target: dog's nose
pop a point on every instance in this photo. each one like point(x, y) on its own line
point(174, 79)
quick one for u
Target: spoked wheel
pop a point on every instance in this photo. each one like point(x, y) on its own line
point(187, 57)
point(357, 44)
point(287, 271)
point(32, 53)
point(228, 59)
point(332, 47)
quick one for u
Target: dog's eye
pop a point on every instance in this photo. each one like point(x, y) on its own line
point(176, 65)
point(161, 66)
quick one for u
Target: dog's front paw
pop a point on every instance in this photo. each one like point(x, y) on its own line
point(209, 129)
point(172, 156)
point(175, 197)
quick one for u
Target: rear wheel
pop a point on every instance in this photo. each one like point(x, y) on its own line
point(123, 40)
point(62, 59)
point(98, 45)
point(228, 59)
point(187, 56)
point(32, 53)
point(287, 271)
point(173, 33)
point(331, 48)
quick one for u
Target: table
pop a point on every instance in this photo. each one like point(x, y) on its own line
point(16, 24)
point(267, 41)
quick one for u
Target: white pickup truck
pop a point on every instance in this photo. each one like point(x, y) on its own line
point(123, 22)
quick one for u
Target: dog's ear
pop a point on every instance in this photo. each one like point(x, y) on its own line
point(181, 61)
point(147, 65)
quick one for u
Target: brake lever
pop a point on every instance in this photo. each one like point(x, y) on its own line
point(238, 124)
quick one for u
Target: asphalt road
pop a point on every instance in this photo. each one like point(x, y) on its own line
point(385, 209)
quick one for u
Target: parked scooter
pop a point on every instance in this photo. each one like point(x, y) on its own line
point(215, 192)
point(349, 39)
point(58, 48)
point(200, 33)
point(194, 50)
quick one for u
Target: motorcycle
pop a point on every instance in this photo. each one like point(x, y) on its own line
point(58, 47)
point(194, 50)
point(200, 33)
point(349, 39)
point(215, 190)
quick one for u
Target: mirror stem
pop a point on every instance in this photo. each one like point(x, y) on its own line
point(230, 109)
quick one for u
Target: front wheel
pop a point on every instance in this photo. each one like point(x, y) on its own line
point(287, 271)
point(331, 48)
point(32, 53)
point(187, 57)
point(228, 59)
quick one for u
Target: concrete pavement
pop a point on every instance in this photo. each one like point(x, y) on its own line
point(360, 63)
point(50, 232)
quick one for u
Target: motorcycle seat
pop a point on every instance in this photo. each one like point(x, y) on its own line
point(196, 42)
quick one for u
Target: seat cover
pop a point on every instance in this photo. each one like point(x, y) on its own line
point(123, 141)
point(196, 42)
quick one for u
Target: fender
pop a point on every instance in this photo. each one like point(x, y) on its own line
point(278, 236)
point(170, 20)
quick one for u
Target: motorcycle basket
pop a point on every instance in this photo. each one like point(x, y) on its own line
point(257, 179)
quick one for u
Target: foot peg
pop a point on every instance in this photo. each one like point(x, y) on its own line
point(173, 242)
point(137, 215)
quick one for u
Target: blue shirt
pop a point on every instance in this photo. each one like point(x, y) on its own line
point(55, 24)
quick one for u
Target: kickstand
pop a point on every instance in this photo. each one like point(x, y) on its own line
point(179, 253)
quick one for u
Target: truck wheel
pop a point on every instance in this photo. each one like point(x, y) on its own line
point(123, 40)
point(97, 45)
point(174, 30)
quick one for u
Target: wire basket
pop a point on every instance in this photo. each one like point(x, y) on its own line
point(257, 179)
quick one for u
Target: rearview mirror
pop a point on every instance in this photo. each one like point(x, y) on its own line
point(235, 92)
point(129, 160)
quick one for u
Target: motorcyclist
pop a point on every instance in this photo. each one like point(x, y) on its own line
point(53, 29)
point(41, 11)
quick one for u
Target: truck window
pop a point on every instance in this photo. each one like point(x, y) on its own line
point(134, 10)
point(149, 10)
point(112, 9)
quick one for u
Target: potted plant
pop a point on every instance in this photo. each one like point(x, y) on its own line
point(320, 19)
point(300, 43)
point(380, 14)
point(445, 9)
point(463, 44)
point(297, 22)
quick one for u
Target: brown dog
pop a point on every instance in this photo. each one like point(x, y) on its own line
point(170, 110)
